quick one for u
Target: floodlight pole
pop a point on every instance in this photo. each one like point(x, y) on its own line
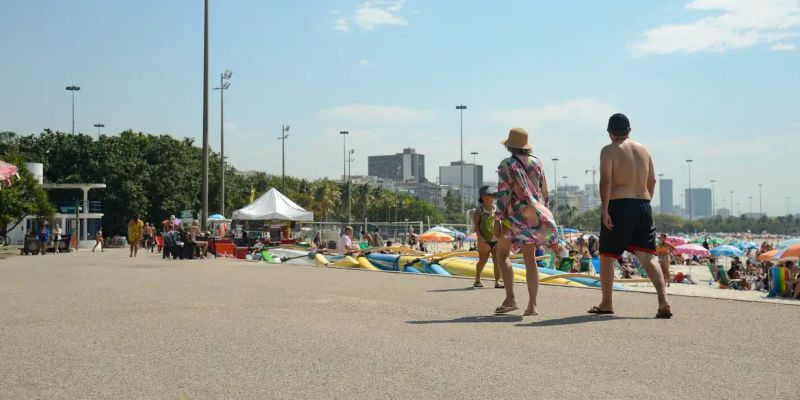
point(461, 109)
point(204, 194)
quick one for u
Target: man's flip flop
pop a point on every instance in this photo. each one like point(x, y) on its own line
point(505, 309)
point(499, 286)
point(597, 310)
point(664, 314)
point(477, 285)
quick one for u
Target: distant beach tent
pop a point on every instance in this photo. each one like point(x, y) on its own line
point(273, 205)
point(7, 171)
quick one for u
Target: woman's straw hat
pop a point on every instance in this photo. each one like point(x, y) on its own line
point(517, 139)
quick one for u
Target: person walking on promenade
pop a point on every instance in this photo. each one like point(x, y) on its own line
point(523, 219)
point(135, 234)
point(56, 238)
point(483, 222)
point(98, 240)
point(627, 182)
point(44, 237)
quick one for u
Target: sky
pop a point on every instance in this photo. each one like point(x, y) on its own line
point(715, 81)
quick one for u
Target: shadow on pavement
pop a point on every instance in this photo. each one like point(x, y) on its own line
point(453, 290)
point(471, 320)
point(579, 319)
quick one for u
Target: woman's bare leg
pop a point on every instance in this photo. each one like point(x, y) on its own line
point(503, 251)
point(483, 256)
point(665, 270)
point(531, 276)
point(496, 263)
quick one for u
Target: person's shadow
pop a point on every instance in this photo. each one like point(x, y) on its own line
point(576, 319)
point(472, 320)
point(453, 290)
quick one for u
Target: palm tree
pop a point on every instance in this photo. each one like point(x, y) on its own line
point(364, 196)
point(326, 196)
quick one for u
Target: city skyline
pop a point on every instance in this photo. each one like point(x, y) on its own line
point(391, 74)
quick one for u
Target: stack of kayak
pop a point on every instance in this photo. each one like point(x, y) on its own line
point(451, 264)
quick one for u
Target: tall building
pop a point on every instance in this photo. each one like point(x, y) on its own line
point(665, 196)
point(450, 175)
point(698, 201)
point(406, 166)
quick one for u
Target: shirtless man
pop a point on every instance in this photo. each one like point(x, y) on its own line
point(627, 181)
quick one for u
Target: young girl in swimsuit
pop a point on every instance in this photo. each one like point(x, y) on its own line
point(483, 221)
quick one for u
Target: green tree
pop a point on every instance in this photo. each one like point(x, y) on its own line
point(24, 197)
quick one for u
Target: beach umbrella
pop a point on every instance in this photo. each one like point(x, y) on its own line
point(744, 245)
point(441, 229)
point(433, 236)
point(791, 253)
point(691, 250)
point(458, 234)
point(471, 238)
point(675, 241)
point(726, 250)
point(763, 257)
point(568, 230)
point(788, 242)
point(216, 217)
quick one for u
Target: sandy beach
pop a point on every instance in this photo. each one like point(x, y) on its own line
point(91, 325)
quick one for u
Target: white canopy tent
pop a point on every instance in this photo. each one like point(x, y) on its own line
point(273, 205)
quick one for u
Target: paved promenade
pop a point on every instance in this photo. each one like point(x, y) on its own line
point(92, 325)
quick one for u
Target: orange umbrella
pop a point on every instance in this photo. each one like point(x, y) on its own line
point(790, 253)
point(433, 236)
point(767, 256)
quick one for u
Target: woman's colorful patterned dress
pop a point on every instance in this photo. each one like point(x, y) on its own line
point(521, 206)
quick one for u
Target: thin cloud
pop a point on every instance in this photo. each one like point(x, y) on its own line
point(372, 14)
point(741, 24)
point(367, 113)
point(784, 47)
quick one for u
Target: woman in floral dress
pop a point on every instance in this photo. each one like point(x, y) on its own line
point(524, 222)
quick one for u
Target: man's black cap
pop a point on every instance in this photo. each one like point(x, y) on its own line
point(618, 123)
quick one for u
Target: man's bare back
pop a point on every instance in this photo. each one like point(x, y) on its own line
point(630, 168)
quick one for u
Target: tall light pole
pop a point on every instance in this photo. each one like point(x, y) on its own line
point(555, 186)
point(204, 195)
point(73, 89)
point(751, 204)
point(689, 194)
point(349, 186)
point(788, 205)
point(224, 84)
point(660, 191)
point(284, 136)
point(344, 154)
point(760, 204)
point(461, 109)
point(474, 154)
point(731, 192)
point(713, 197)
point(98, 126)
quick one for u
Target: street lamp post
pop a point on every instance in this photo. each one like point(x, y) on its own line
point(284, 136)
point(713, 197)
point(224, 84)
point(349, 186)
point(555, 184)
point(461, 109)
point(751, 204)
point(689, 194)
point(788, 205)
point(760, 204)
point(98, 126)
point(204, 195)
point(731, 204)
point(474, 153)
point(661, 192)
point(344, 154)
point(73, 89)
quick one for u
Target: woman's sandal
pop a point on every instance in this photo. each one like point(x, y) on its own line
point(477, 284)
point(499, 286)
point(664, 313)
point(505, 309)
point(597, 310)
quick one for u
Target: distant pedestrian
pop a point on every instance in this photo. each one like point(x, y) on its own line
point(56, 238)
point(135, 234)
point(44, 237)
point(98, 239)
